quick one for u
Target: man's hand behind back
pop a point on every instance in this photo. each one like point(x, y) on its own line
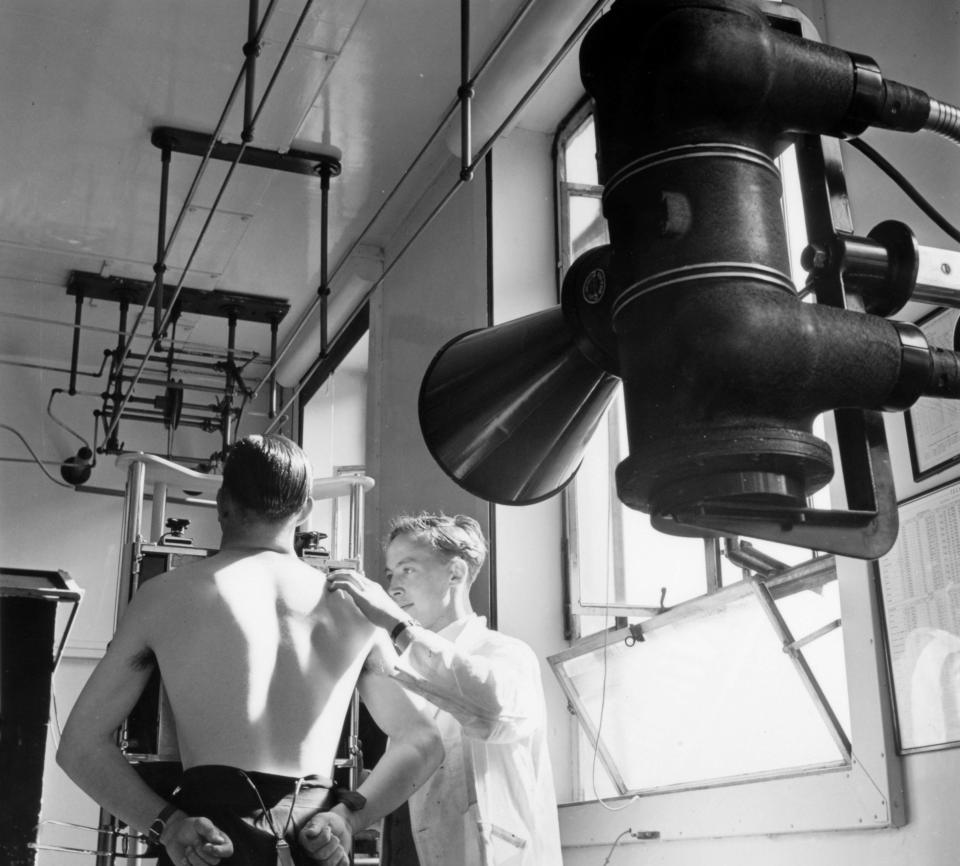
point(327, 838)
point(195, 842)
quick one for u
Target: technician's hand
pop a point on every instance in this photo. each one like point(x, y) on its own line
point(369, 596)
point(327, 838)
point(195, 842)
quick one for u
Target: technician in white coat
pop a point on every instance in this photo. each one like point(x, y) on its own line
point(492, 801)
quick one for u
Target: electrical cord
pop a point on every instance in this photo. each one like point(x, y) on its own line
point(614, 846)
point(603, 702)
point(914, 195)
point(38, 461)
point(60, 423)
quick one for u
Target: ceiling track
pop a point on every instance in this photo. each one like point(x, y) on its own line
point(168, 302)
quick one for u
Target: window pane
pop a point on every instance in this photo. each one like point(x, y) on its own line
point(649, 560)
point(588, 228)
point(706, 697)
point(581, 155)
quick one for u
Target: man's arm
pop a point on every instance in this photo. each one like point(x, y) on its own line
point(493, 691)
point(89, 753)
point(494, 694)
point(414, 750)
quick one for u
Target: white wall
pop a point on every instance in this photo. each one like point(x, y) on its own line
point(529, 556)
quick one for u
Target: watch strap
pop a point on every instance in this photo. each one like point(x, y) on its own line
point(159, 824)
point(400, 635)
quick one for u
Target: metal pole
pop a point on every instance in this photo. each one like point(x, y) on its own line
point(159, 267)
point(465, 94)
point(272, 405)
point(324, 290)
point(251, 51)
point(75, 354)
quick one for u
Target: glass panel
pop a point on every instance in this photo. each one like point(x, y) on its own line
point(804, 613)
point(581, 155)
point(650, 560)
point(708, 695)
point(588, 228)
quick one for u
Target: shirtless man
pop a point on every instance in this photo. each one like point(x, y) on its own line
point(259, 663)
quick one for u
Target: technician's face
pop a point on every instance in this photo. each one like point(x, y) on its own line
point(420, 582)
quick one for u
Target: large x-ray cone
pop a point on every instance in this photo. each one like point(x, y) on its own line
point(507, 411)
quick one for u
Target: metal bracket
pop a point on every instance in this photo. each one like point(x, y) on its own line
point(315, 162)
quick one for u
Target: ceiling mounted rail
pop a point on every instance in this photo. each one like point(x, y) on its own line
point(167, 304)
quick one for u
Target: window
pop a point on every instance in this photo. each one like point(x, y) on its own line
point(697, 665)
point(632, 564)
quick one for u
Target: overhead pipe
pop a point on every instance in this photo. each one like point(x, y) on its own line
point(555, 61)
point(272, 376)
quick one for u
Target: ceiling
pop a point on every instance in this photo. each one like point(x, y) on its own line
point(86, 83)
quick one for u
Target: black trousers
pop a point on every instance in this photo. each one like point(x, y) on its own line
point(243, 804)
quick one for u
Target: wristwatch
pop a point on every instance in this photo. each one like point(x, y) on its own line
point(155, 831)
point(400, 634)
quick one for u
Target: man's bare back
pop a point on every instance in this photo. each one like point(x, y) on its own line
point(258, 660)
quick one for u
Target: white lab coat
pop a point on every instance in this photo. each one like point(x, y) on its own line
point(492, 801)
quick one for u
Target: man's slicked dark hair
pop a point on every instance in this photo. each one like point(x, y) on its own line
point(269, 476)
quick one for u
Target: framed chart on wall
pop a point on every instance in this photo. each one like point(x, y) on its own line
point(920, 584)
point(933, 424)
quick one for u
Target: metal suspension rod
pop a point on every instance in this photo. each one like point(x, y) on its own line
point(324, 290)
point(116, 369)
point(274, 327)
point(487, 147)
point(465, 94)
point(75, 352)
point(160, 267)
point(251, 49)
